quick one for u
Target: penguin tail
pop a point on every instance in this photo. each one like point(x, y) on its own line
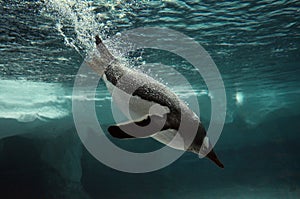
point(104, 52)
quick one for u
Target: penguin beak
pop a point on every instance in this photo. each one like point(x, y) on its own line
point(212, 156)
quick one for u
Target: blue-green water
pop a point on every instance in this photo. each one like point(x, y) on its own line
point(255, 45)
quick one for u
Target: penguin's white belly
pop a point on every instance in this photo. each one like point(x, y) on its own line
point(135, 108)
point(171, 138)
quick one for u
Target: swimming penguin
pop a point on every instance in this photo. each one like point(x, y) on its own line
point(158, 111)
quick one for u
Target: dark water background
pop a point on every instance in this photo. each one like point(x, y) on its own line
point(255, 45)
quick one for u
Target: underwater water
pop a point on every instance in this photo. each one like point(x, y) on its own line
point(254, 44)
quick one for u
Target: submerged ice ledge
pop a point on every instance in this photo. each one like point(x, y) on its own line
point(26, 101)
point(26, 106)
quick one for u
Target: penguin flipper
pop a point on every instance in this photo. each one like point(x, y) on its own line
point(143, 128)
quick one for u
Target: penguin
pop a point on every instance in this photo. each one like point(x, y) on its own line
point(158, 112)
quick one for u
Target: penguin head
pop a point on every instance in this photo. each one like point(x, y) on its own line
point(207, 151)
point(204, 148)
